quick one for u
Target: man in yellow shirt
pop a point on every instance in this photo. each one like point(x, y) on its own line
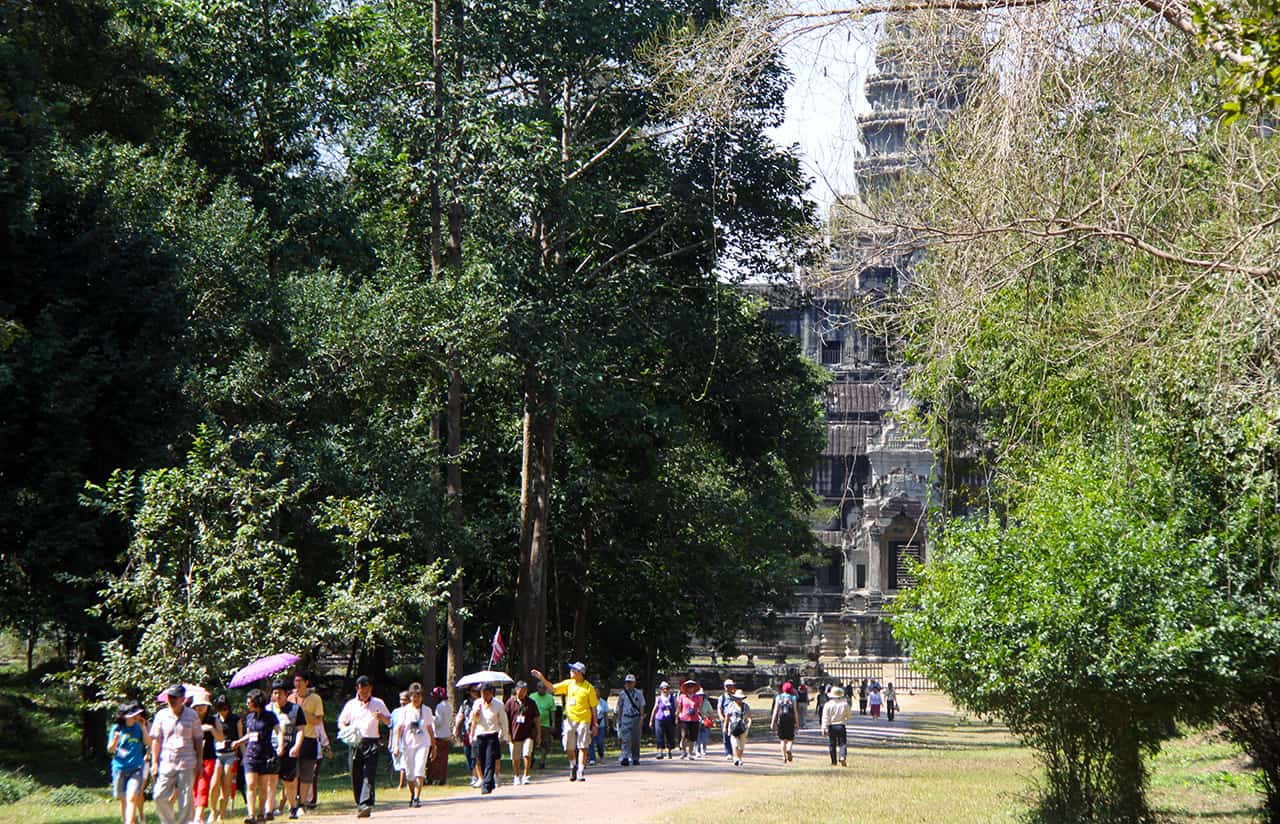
point(580, 721)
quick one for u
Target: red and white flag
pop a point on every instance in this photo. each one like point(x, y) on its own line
point(499, 649)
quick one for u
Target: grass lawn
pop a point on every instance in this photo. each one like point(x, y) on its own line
point(949, 769)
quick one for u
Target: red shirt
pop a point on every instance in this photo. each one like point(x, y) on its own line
point(687, 706)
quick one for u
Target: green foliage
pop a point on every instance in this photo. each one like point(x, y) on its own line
point(69, 795)
point(14, 786)
point(1245, 38)
point(1078, 621)
point(210, 581)
point(1121, 399)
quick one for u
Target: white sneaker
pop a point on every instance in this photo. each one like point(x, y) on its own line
point(475, 782)
point(525, 780)
point(515, 782)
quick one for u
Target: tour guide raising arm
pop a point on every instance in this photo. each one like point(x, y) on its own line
point(552, 689)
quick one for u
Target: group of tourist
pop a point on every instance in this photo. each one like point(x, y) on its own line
point(196, 750)
point(199, 751)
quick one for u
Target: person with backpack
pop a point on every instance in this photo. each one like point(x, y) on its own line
point(462, 732)
point(835, 715)
point(663, 721)
point(737, 724)
point(722, 703)
point(786, 717)
point(287, 735)
point(630, 714)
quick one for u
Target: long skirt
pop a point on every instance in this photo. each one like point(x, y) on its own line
point(438, 767)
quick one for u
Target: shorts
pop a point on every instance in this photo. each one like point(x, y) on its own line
point(265, 766)
point(288, 768)
point(689, 729)
point(204, 778)
point(228, 759)
point(414, 760)
point(577, 734)
point(521, 749)
point(128, 783)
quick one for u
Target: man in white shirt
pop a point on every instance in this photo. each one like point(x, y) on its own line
point(489, 728)
point(176, 744)
point(362, 715)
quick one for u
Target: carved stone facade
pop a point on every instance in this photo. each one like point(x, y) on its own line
point(876, 482)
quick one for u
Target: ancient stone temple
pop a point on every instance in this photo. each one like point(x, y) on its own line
point(876, 481)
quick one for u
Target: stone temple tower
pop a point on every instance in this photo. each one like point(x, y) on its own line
point(876, 481)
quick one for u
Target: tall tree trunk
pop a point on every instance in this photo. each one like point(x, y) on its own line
point(582, 604)
point(535, 502)
point(581, 613)
point(430, 631)
point(93, 723)
point(446, 261)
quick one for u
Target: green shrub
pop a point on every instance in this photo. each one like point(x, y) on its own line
point(14, 786)
point(69, 795)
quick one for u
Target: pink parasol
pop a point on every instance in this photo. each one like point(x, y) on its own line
point(191, 689)
point(263, 668)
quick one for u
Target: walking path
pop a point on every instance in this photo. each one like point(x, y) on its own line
point(627, 794)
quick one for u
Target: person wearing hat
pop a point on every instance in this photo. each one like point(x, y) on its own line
point(359, 721)
point(630, 712)
point(663, 721)
point(580, 719)
point(489, 728)
point(689, 714)
point(442, 728)
point(737, 724)
point(211, 726)
point(835, 714)
point(706, 720)
point(546, 703)
point(722, 704)
point(785, 719)
point(177, 743)
point(128, 742)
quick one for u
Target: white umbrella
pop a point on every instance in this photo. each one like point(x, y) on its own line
point(484, 677)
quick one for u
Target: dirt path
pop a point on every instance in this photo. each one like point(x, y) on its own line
point(624, 794)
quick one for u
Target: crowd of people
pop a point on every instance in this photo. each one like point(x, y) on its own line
point(197, 751)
